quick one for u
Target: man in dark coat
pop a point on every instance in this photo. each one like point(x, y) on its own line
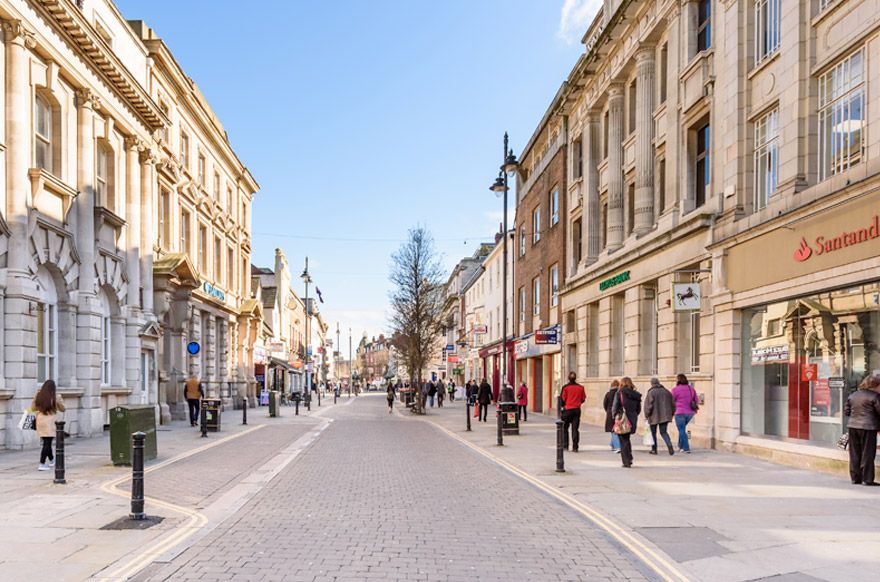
point(484, 398)
point(659, 410)
point(862, 410)
point(631, 401)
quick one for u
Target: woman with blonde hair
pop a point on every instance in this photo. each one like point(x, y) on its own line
point(627, 401)
point(47, 403)
point(607, 402)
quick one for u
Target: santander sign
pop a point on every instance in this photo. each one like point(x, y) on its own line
point(823, 244)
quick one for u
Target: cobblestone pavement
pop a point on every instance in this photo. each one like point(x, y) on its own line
point(381, 497)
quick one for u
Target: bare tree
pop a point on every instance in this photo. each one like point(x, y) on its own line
point(416, 306)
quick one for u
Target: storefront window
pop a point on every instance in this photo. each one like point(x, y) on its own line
point(803, 357)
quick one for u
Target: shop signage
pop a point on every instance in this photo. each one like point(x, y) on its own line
point(214, 292)
point(482, 329)
point(825, 244)
point(686, 296)
point(450, 347)
point(452, 358)
point(547, 336)
point(809, 372)
point(522, 347)
point(193, 348)
point(770, 354)
point(613, 281)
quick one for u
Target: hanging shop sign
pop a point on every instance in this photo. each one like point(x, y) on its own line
point(481, 329)
point(686, 296)
point(547, 336)
point(214, 292)
point(614, 281)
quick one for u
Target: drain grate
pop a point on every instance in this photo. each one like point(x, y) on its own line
point(126, 523)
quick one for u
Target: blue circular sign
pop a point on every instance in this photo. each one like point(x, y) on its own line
point(193, 348)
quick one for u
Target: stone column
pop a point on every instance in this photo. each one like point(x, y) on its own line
point(591, 235)
point(133, 146)
point(644, 210)
point(615, 166)
point(148, 220)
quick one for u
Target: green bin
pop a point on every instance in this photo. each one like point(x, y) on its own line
point(126, 420)
point(274, 400)
point(211, 414)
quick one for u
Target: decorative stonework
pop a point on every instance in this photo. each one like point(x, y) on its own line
point(15, 31)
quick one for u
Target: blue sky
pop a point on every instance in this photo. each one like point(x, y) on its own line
point(361, 119)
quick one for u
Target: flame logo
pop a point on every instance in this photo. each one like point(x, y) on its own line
point(803, 252)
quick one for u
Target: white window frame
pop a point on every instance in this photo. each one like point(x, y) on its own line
point(536, 225)
point(201, 168)
point(554, 285)
point(839, 90)
point(766, 157)
point(106, 335)
point(536, 296)
point(694, 324)
point(522, 240)
point(823, 4)
point(767, 28)
point(185, 232)
point(102, 164)
point(554, 207)
point(203, 248)
point(522, 304)
point(43, 139)
point(47, 353)
point(184, 150)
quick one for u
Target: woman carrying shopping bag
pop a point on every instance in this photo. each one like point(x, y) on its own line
point(47, 403)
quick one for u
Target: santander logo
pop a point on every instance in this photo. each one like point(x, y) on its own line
point(824, 244)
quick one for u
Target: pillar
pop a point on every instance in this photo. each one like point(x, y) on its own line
point(615, 166)
point(148, 220)
point(644, 147)
point(133, 211)
point(591, 235)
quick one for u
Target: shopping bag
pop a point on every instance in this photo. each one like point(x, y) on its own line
point(28, 421)
point(647, 439)
point(476, 411)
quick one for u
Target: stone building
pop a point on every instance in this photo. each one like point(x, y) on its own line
point(492, 302)
point(726, 196)
point(539, 249)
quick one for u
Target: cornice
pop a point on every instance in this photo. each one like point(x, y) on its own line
point(70, 22)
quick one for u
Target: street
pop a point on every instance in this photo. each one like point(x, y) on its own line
point(383, 497)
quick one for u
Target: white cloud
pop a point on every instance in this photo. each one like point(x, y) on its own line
point(576, 16)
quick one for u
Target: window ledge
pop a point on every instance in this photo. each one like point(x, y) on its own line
point(7, 394)
point(773, 57)
point(825, 12)
point(695, 60)
point(115, 391)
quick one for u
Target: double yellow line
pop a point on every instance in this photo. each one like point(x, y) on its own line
point(663, 567)
point(195, 522)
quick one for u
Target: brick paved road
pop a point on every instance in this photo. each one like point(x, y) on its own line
point(380, 497)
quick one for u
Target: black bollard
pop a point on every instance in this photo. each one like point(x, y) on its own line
point(309, 403)
point(467, 409)
point(335, 396)
point(137, 476)
point(500, 431)
point(296, 413)
point(203, 417)
point(59, 452)
point(560, 446)
point(244, 410)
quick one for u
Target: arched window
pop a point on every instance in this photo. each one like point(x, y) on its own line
point(47, 328)
point(106, 340)
point(43, 134)
point(104, 177)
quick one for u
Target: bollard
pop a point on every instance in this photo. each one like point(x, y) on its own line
point(244, 411)
point(500, 431)
point(296, 412)
point(309, 403)
point(59, 452)
point(203, 417)
point(335, 396)
point(137, 476)
point(467, 409)
point(560, 446)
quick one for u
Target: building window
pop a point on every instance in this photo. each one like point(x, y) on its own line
point(695, 341)
point(554, 285)
point(522, 303)
point(217, 187)
point(43, 134)
point(661, 185)
point(664, 67)
point(605, 123)
point(618, 334)
point(704, 25)
point(105, 346)
point(823, 4)
point(47, 341)
point(230, 267)
point(631, 112)
point(554, 207)
point(201, 170)
point(603, 226)
point(536, 296)
point(536, 225)
point(203, 249)
point(702, 168)
point(218, 259)
point(522, 240)
point(576, 243)
point(103, 183)
point(230, 208)
point(185, 236)
point(243, 216)
point(842, 115)
point(630, 208)
point(184, 150)
point(766, 28)
point(164, 209)
point(577, 158)
point(592, 339)
point(766, 157)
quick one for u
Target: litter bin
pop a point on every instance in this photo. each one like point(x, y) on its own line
point(125, 420)
point(274, 401)
point(211, 414)
point(509, 418)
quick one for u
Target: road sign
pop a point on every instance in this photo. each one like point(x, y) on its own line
point(193, 348)
point(450, 347)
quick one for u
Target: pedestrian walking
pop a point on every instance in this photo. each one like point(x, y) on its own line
point(571, 398)
point(193, 391)
point(432, 393)
point(46, 404)
point(522, 401)
point(484, 398)
point(607, 402)
point(686, 406)
point(862, 409)
point(441, 393)
point(451, 390)
point(628, 402)
point(390, 397)
point(659, 409)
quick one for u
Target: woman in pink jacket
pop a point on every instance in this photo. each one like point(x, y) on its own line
point(686, 405)
point(522, 401)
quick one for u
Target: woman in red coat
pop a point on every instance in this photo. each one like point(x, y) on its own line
point(522, 401)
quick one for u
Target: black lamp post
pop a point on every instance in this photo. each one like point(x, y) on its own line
point(307, 279)
point(500, 187)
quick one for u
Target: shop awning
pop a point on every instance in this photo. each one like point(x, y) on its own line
point(280, 364)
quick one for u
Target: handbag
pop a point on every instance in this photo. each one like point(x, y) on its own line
point(28, 421)
point(622, 425)
point(695, 401)
point(843, 441)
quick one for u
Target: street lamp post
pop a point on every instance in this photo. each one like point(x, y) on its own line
point(500, 187)
point(308, 279)
point(350, 366)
